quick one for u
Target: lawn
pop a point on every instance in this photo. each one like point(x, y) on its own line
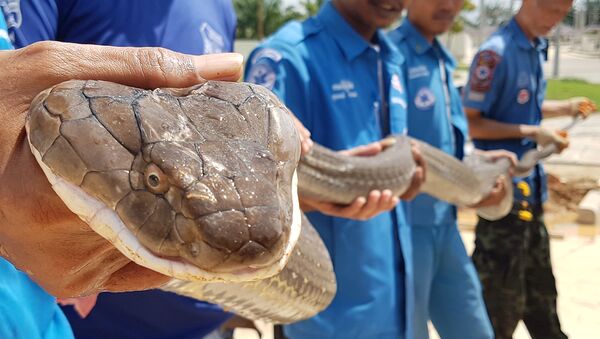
point(567, 88)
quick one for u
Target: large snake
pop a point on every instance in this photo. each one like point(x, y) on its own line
point(200, 184)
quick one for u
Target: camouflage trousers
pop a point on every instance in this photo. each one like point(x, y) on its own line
point(512, 257)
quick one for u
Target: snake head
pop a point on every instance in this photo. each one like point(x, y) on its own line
point(195, 183)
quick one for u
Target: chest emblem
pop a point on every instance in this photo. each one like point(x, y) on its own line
point(396, 83)
point(424, 99)
point(523, 97)
point(343, 90)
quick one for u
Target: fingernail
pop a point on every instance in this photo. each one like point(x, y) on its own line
point(224, 66)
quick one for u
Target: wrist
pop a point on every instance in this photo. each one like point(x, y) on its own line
point(528, 131)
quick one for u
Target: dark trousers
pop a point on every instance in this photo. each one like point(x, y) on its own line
point(512, 257)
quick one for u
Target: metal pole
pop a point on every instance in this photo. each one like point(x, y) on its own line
point(482, 19)
point(260, 19)
point(555, 71)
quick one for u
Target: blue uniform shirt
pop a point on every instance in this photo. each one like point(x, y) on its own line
point(187, 26)
point(506, 84)
point(26, 310)
point(4, 39)
point(347, 93)
point(435, 113)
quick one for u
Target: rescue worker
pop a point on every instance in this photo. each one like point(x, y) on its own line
point(447, 288)
point(341, 76)
point(504, 101)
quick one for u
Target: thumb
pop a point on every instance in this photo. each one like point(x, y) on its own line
point(139, 67)
point(365, 150)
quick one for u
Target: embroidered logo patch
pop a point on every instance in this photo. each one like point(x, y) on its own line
point(344, 89)
point(262, 74)
point(396, 83)
point(425, 99)
point(523, 96)
point(483, 70)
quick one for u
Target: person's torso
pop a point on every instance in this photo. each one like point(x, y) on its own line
point(519, 98)
point(435, 112)
point(347, 95)
point(186, 26)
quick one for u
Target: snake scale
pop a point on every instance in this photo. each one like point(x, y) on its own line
point(200, 184)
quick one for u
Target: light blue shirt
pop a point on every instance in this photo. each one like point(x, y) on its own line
point(347, 92)
point(4, 39)
point(435, 113)
point(26, 311)
point(506, 83)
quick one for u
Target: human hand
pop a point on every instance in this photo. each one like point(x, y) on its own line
point(419, 176)
point(544, 137)
point(306, 142)
point(38, 234)
point(496, 195)
point(581, 106)
point(362, 208)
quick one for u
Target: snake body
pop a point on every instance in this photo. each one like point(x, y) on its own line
point(200, 185)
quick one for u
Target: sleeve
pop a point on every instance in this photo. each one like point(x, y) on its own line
point(486, 79)
point(30, 21)
point(231, 20)
point(285, 75)
point(4, 39)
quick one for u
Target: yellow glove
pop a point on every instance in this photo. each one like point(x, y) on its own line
point(582, 106)
point(544, 136)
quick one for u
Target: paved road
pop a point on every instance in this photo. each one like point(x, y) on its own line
point(575, 66)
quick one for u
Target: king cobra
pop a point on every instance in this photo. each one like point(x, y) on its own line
point(200, 184)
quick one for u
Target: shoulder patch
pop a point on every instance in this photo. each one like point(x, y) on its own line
point(482, 72)
point(262, 74)
point(266, 53)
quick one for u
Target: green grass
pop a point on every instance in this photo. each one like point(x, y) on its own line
point(568, 88)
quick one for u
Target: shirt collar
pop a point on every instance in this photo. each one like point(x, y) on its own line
point(349, 41)
point(421, 45)
point(522, 40)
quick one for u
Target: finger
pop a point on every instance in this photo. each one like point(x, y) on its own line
point(387, 200)
point(415, 185)
point(305, 146)
point(349, 211)
point(365, 150)
point(371, 207)
point(139, 67)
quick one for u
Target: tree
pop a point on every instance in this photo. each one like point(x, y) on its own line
point(260, 18)
point(459, 23)
point(312, 6)
point(495, 14)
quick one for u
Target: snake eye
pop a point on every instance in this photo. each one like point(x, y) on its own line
point(155, 179)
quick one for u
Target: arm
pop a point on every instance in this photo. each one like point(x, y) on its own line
point(38, 234)
point(488, 129)
point(570, 107)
